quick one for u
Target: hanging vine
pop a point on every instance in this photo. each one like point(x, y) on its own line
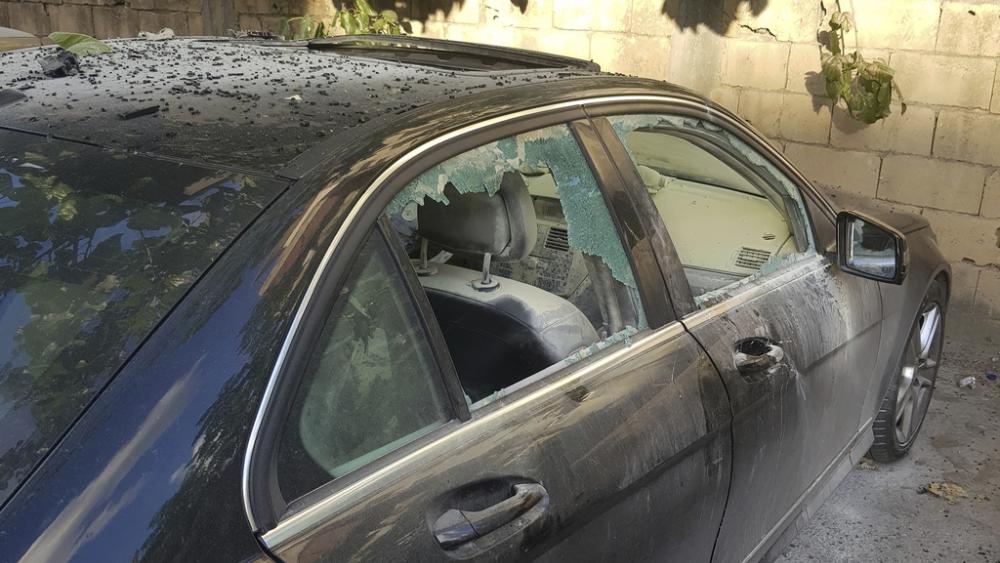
point(865, 86)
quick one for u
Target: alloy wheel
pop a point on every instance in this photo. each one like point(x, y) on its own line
point(919, 371)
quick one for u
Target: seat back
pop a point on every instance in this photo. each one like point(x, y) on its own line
point(501, 334)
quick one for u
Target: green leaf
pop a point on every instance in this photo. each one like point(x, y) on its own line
point(389, 16)
point(364, 8)
point(79, 43)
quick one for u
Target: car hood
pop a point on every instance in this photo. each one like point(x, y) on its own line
point(891, 214)
point(96, 247)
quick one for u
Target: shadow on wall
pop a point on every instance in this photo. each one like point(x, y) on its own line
point(716, 15)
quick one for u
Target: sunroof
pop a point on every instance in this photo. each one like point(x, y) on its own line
point(451, 55)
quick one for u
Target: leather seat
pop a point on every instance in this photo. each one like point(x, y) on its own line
point(498, 335)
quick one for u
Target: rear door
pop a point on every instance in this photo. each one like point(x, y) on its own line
point(370, 449)
point(794, 338)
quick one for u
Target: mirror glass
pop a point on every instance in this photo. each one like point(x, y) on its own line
point(870, 249)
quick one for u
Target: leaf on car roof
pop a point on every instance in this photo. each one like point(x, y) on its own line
point(78, 43)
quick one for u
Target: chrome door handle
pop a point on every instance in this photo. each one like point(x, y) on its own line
point(757, 354)
point(456, 526)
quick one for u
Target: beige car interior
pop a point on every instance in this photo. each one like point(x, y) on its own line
point(723, 227)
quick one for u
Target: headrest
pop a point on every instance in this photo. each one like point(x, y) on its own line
point(502, 224)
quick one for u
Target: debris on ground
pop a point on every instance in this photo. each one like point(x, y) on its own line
point(61, 63)
point(947, 490)
point(252, 34)
point(8, 96)
point(968, 382)
point(991, 375)
point(148, 110)
point(162, 35)
point(867, 463)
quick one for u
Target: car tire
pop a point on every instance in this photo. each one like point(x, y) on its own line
point(908, 397)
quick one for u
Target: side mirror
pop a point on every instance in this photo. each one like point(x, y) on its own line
point(870, 249)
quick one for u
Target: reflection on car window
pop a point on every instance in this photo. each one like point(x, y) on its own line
point(95, 249)
point(520, 259)
point(732, 215)
point(371, 386)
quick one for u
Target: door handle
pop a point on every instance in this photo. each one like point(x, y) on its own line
point(757, 354)
point(456, 526)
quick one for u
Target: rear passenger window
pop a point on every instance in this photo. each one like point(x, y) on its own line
point(731, 214)
point(520, 259)
point(371, 385)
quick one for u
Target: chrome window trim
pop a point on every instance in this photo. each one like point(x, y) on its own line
point(754, 289)
point(306, 519)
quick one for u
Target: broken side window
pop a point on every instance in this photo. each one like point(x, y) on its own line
point(520, 259)
point(732, 215)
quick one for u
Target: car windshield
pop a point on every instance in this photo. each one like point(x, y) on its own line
point(95, 248)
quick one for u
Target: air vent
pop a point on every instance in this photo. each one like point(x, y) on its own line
point(557, 239)
point(751, 258)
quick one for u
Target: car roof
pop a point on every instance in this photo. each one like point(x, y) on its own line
point(252, 105)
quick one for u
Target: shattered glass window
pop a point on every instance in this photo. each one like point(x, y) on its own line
point(371, 386)
point(520, 257)
point(732, 215)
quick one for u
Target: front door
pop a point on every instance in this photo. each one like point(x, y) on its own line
point(499, 378)
point(794, 338)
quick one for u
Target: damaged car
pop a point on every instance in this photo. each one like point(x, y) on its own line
point(391, 298)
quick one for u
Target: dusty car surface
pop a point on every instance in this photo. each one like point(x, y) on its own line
point(401, 299)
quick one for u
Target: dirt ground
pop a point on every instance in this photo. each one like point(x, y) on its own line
point(879, 512)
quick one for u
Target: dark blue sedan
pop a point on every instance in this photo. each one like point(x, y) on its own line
point(370, 299)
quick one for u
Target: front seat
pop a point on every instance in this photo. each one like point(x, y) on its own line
point(499, 331)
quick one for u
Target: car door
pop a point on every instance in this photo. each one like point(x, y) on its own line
point(371, 449)
point(794, 338)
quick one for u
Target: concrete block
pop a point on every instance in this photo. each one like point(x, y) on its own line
point(804, 70)
point(911, 132)
point(196, 24)
point(853, 171)
point(586, 16)
point(995, 101)
point(648, 18)
point(988, 293)
point(469, 11)
point(895, 24)
point(558, 41)
point(787, 20)
point(143, 4)
point(726, 96)
point(631, 54)
point(115, 21)
point(945, 80)
point(537, 14)
point(177, 21)
point(272, 23)
point(969, 29)
point(962, 236)
point(30, 17)
point(964, 282)
point(755, 64)
point(762, 110)
point(968, 136)
point(930, 182)
point(246, 22)
point(805, 118)
point(72, 17)
point(991, 197)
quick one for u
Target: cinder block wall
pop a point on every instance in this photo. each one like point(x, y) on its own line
point(941, 159)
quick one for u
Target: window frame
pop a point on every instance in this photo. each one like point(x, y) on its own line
point(673, 271)
point(301, 353)
point(264, 506)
